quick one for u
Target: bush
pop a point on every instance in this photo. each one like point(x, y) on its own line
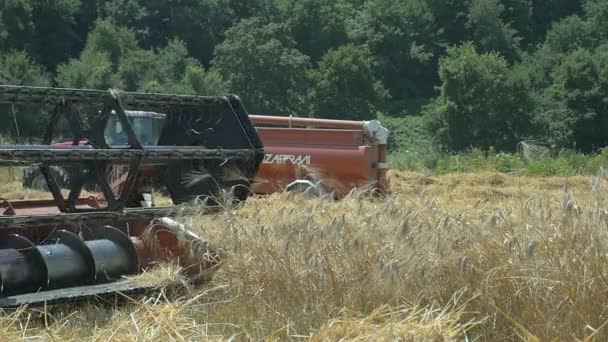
point(563, 163)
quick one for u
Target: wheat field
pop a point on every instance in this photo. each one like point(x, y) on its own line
point(485, 257)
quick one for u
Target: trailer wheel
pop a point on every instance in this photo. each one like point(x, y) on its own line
point(304, 186)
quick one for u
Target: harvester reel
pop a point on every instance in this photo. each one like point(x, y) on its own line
point(186, 180)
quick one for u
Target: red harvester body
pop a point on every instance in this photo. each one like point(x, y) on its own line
point(335, 156)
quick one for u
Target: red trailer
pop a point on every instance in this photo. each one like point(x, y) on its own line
point(329, 156)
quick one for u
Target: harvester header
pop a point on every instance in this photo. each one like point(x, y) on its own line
point(77, 245)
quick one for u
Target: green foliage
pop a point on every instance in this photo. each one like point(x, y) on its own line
point(597, 12)
point(407, 133)
point(490, 31)
point(172, 62)
point(485, 73)
point(115, 41)
point(401, 34)
point(17, 68)
point(422, 159)
point(518, 14)
point(199, 81)
point(563, 163)
point(551, 167)
point(482, 102)
point(93, 70)
point(546, 12)
point(130, 13)
point(474, 161)
point(410, 143)
point(508, 163)
point(96, 68)
point(569, 34)
point(344, 86)
point(200, 24)
point(113, 59)
point(54, 39)
point(539, 66)
point(575, 106)
point(136, 68)
point(170, 69)
point(259, 61)
point(16, 26)
point(451, 15)
point(316, 26)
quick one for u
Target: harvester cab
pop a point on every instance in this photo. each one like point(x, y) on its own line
point(75, 246)
point(146, 125)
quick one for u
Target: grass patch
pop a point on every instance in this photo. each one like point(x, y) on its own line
point(563, 163)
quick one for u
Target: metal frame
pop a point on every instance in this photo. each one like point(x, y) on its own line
point(90, 161)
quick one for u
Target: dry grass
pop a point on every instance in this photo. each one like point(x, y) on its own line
point(14, 191)
point(486, 256)
point(391, 324)
point(161, 276)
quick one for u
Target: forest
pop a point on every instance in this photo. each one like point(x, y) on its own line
point(453, 74)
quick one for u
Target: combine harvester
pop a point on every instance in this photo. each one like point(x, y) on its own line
point(318, 156)
point(124, 147)
point(72, 246)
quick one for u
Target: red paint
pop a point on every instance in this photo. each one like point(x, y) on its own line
point(342, 156)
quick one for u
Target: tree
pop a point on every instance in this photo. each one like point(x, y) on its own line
point(17, 68)
point(451, 16)
point(575, 107)
point(170, 69)
point(128, 13)
point(259, 62)
point(97, 65)
point(597, 13)
point(199, 81)
point(138, 67)
point(114, 40)
point(402, 36)
point(200, 24)
point(316, 25)
point(546, 12)
point(539, 66)
point(93, 70)
point(16, 25)
point(518, 13)
point(569, 34)
point(345, 86)
point(55, 39)
point(482, 103)
point(489, 30)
